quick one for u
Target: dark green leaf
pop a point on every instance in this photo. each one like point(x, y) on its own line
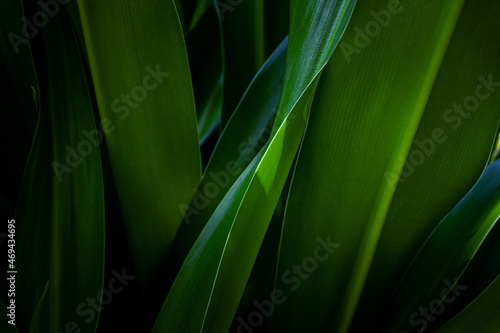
point(146, 103)
point(60, 211)
point(448, 251)
point(483, 315)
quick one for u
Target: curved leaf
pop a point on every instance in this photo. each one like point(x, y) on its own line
point(145, 99)
point(38, 311)
point(482, 270)
point(238, 233)
point(240, 141)
point(200, 8)
point(483, 315)
point(315, 30)
point(60, 210)
point(205, 46)
point(243, 28)
point(448, 250)
point(276, 23)
point(455, 143)
point(364, 116)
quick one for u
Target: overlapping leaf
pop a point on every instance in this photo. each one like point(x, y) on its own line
point(205, 47)
point(454, 138)
point(483, 315)
point(239, 233)
point(60, 230)
point(443, 258)
point(362, 126)
point(245, 135)
point(146, 103)
point(243, 27)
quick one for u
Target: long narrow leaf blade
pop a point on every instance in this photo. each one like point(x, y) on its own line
point(363, 117)
point(145, 99)
point(483, 315)
point(449, 249)
point(455, 142)
point(241, 140)
point(239, 233)
point(60, 211)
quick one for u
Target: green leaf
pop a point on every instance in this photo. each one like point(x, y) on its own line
point(245, 135)
point(456, 146)
point(276, 23)
point(364, 117)
point(179, 6)
point(243, 28)
point(60, 210)
point(445, 255)
point(483, 315)
point(483, 269)
point(38, 311)
point(145, 100)
point(258, 204)
point(261, 280)
point(205, 47)
point(259, 187)
point(200, 8)
point(174, 314)
point(496, 152)
point(315, 29)
point(213, 270)
point(275, 19)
